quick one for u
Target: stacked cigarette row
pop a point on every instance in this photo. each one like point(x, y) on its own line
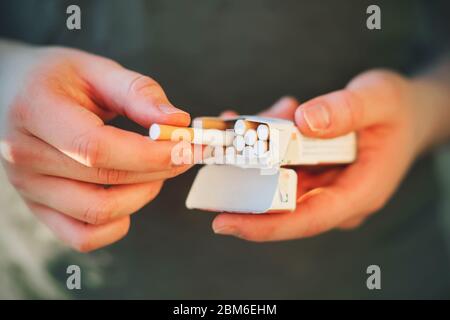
point(251, 140)
point(227, 141)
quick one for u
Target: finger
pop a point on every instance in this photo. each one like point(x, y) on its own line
point(308, 180)
point(82, 136)
point(284, 108)
point(79, 235)
point(31, 154)
point(129, 93)
point(351, 223)
point(228, 114)
point(311, 218)
point(357, 191)
point(88, 202)
point(367, 101)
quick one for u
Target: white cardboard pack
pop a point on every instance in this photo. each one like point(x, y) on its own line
point(265, 186)
point(233, 189)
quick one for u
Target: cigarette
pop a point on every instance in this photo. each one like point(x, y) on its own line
point(263, 132)
point(212, 137)
point(249, 152)
point(261, 147)
point(208, 157)
point(230, 155)
point(230, 151)
point(241, 126)
point(211, 123)
point(264, 159)
point(240, 159)
point(218, 154)
point(208, 152)
point(239, 143)
point(250, 137)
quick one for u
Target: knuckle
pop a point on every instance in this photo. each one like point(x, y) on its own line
point(90, 150)
point(122, 176)
point(289, 100)
point(85, 241)
point(111, 176)
point(382, 76)
point(145, 86)
point(100, 211)
point(393, 84)
point(19, 114)
point(18, 182)
point(110, 63)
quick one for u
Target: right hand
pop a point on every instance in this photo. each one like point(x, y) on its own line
point(59, 153)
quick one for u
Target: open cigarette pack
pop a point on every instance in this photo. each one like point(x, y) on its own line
point(248, 160)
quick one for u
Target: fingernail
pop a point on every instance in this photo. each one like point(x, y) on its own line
point(317, 117)
point(169, 109)
point(227, 231)
point(309, 195)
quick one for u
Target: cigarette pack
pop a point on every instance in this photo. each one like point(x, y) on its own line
point(259, 179)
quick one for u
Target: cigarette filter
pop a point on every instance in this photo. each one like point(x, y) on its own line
point(261, 147)
point(239, 143)
point(263, 132)
point(241, 126)
point(211, 123)
point(249, 152)
point(250, 137)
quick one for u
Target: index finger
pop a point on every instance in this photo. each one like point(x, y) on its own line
point(82, 135)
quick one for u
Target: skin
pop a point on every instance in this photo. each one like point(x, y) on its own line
point(396, 118)
point(59, 152)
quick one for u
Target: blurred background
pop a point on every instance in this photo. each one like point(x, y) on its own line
point(242, 55)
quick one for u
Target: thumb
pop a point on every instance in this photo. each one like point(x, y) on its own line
point(284, 108)
point(368, 100)
point(138, 97)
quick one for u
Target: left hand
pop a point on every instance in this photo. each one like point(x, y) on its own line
point(393, 128)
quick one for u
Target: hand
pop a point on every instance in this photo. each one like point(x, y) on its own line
point(385, 109)
point(59, 153)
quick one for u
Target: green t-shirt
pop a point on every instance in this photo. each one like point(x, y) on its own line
point(243, 55)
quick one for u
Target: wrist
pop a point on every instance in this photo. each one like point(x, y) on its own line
point(15, 60)
point(431, 107)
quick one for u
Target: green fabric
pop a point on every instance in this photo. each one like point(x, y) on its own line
point(243, 55)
